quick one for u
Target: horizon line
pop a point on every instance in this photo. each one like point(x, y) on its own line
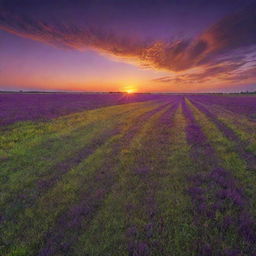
point(113, 92)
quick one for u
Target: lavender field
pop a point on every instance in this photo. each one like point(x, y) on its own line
point(127, 174)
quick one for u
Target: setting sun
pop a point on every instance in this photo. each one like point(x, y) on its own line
point(129, 91)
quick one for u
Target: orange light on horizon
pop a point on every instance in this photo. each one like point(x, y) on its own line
point(129, 91)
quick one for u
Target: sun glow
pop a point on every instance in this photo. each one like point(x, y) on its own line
point(129, 91)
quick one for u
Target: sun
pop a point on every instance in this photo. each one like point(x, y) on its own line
point(129, 91)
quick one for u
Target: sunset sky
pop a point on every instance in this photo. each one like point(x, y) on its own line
point(133, 45)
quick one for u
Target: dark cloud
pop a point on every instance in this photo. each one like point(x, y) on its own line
point(213, 50)
point(233, 31)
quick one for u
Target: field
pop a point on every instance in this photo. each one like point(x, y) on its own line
point(127, 174)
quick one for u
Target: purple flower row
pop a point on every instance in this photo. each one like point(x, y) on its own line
point(219, 202)
point(240, 146)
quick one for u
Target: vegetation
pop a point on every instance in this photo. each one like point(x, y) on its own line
point(170, 175)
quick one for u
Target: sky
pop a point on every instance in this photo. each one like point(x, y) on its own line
point(121, 45)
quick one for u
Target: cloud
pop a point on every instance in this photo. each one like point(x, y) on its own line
point(224, 73)
point(212, 52)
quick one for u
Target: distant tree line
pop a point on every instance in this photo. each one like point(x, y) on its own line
point(247, 92)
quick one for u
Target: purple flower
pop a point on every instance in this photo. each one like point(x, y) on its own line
point(232, 252)
point(247, 227)
point(138, 248)
point(149, 230)
point(132, 231)
point(206, 250)
point(227, 222)
point(195, 191)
